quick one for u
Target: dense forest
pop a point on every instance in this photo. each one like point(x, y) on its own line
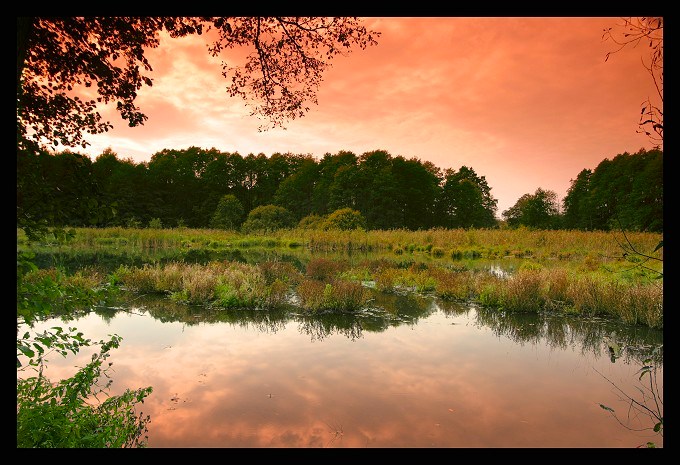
point(208, 188)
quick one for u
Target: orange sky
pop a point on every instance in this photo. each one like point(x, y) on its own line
point(525, 102)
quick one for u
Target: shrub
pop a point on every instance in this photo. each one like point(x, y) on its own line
point(285, 272)
point(456, 254)
point(522, 292)
point(386, 280)
point(312, 221)
point(268, 218)
point(133, 223)
point(345, 219)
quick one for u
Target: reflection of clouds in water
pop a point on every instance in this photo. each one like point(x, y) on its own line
point(386, 400)
point(433, 383)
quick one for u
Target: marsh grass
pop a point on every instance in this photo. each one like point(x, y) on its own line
point(285, 272)
point(570, 271)
point(221, 284)
point(480, 243)
point(338, 295)
point(85, 279)
point(452, 285)
point(324, 269)
point(522, 292)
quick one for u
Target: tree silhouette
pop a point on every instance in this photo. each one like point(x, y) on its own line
point(66, 66)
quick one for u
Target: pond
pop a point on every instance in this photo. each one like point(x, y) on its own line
point(411, 371)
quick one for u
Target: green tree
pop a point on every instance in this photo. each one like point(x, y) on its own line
point(276, 169)
point(646, 200)
point(296, 192)
point(58, 190)
point(223, 175)
point(312, 221)
point(228, 214)
point(253, 181)
point(465, 200)
point(578, 211)
point(627, 192)
point(345, 219)
point(35, 210)
point(106, 170)
point(327, 194)
point(178, 177)
point(125, 187)
point(538, 210)
point(376, 191)
point(417, 194)
point(268, 218)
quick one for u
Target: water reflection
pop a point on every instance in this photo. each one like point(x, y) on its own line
point(410, 371)
point(386, 310)
point(589, 335)
point(269, 321)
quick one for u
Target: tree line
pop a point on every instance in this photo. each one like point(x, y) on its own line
point(201, 188)
point(625, 193)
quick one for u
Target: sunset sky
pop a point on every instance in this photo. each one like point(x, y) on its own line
point(525, 102)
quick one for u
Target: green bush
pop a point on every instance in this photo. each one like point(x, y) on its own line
point(60, 415)
point(312, 221)
point(268, 218)
point(345, 219)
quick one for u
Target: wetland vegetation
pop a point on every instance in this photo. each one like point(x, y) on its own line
point(576, 272)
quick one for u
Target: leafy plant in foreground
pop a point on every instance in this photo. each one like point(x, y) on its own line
point(69, 413)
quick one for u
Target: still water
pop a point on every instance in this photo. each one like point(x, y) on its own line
point(412, 371)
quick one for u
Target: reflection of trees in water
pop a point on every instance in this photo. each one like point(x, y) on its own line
point(453, 307)
point(404, 308)
point(319, 327)
point(107, 313)
point(265, 321)
point(387, 310)
point(167, 311)
point(590, 335)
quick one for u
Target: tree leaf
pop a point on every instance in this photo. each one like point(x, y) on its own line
point(607, 408)
point(26, 351)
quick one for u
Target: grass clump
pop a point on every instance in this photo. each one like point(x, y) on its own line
point(344, 296)
point(222, 284)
